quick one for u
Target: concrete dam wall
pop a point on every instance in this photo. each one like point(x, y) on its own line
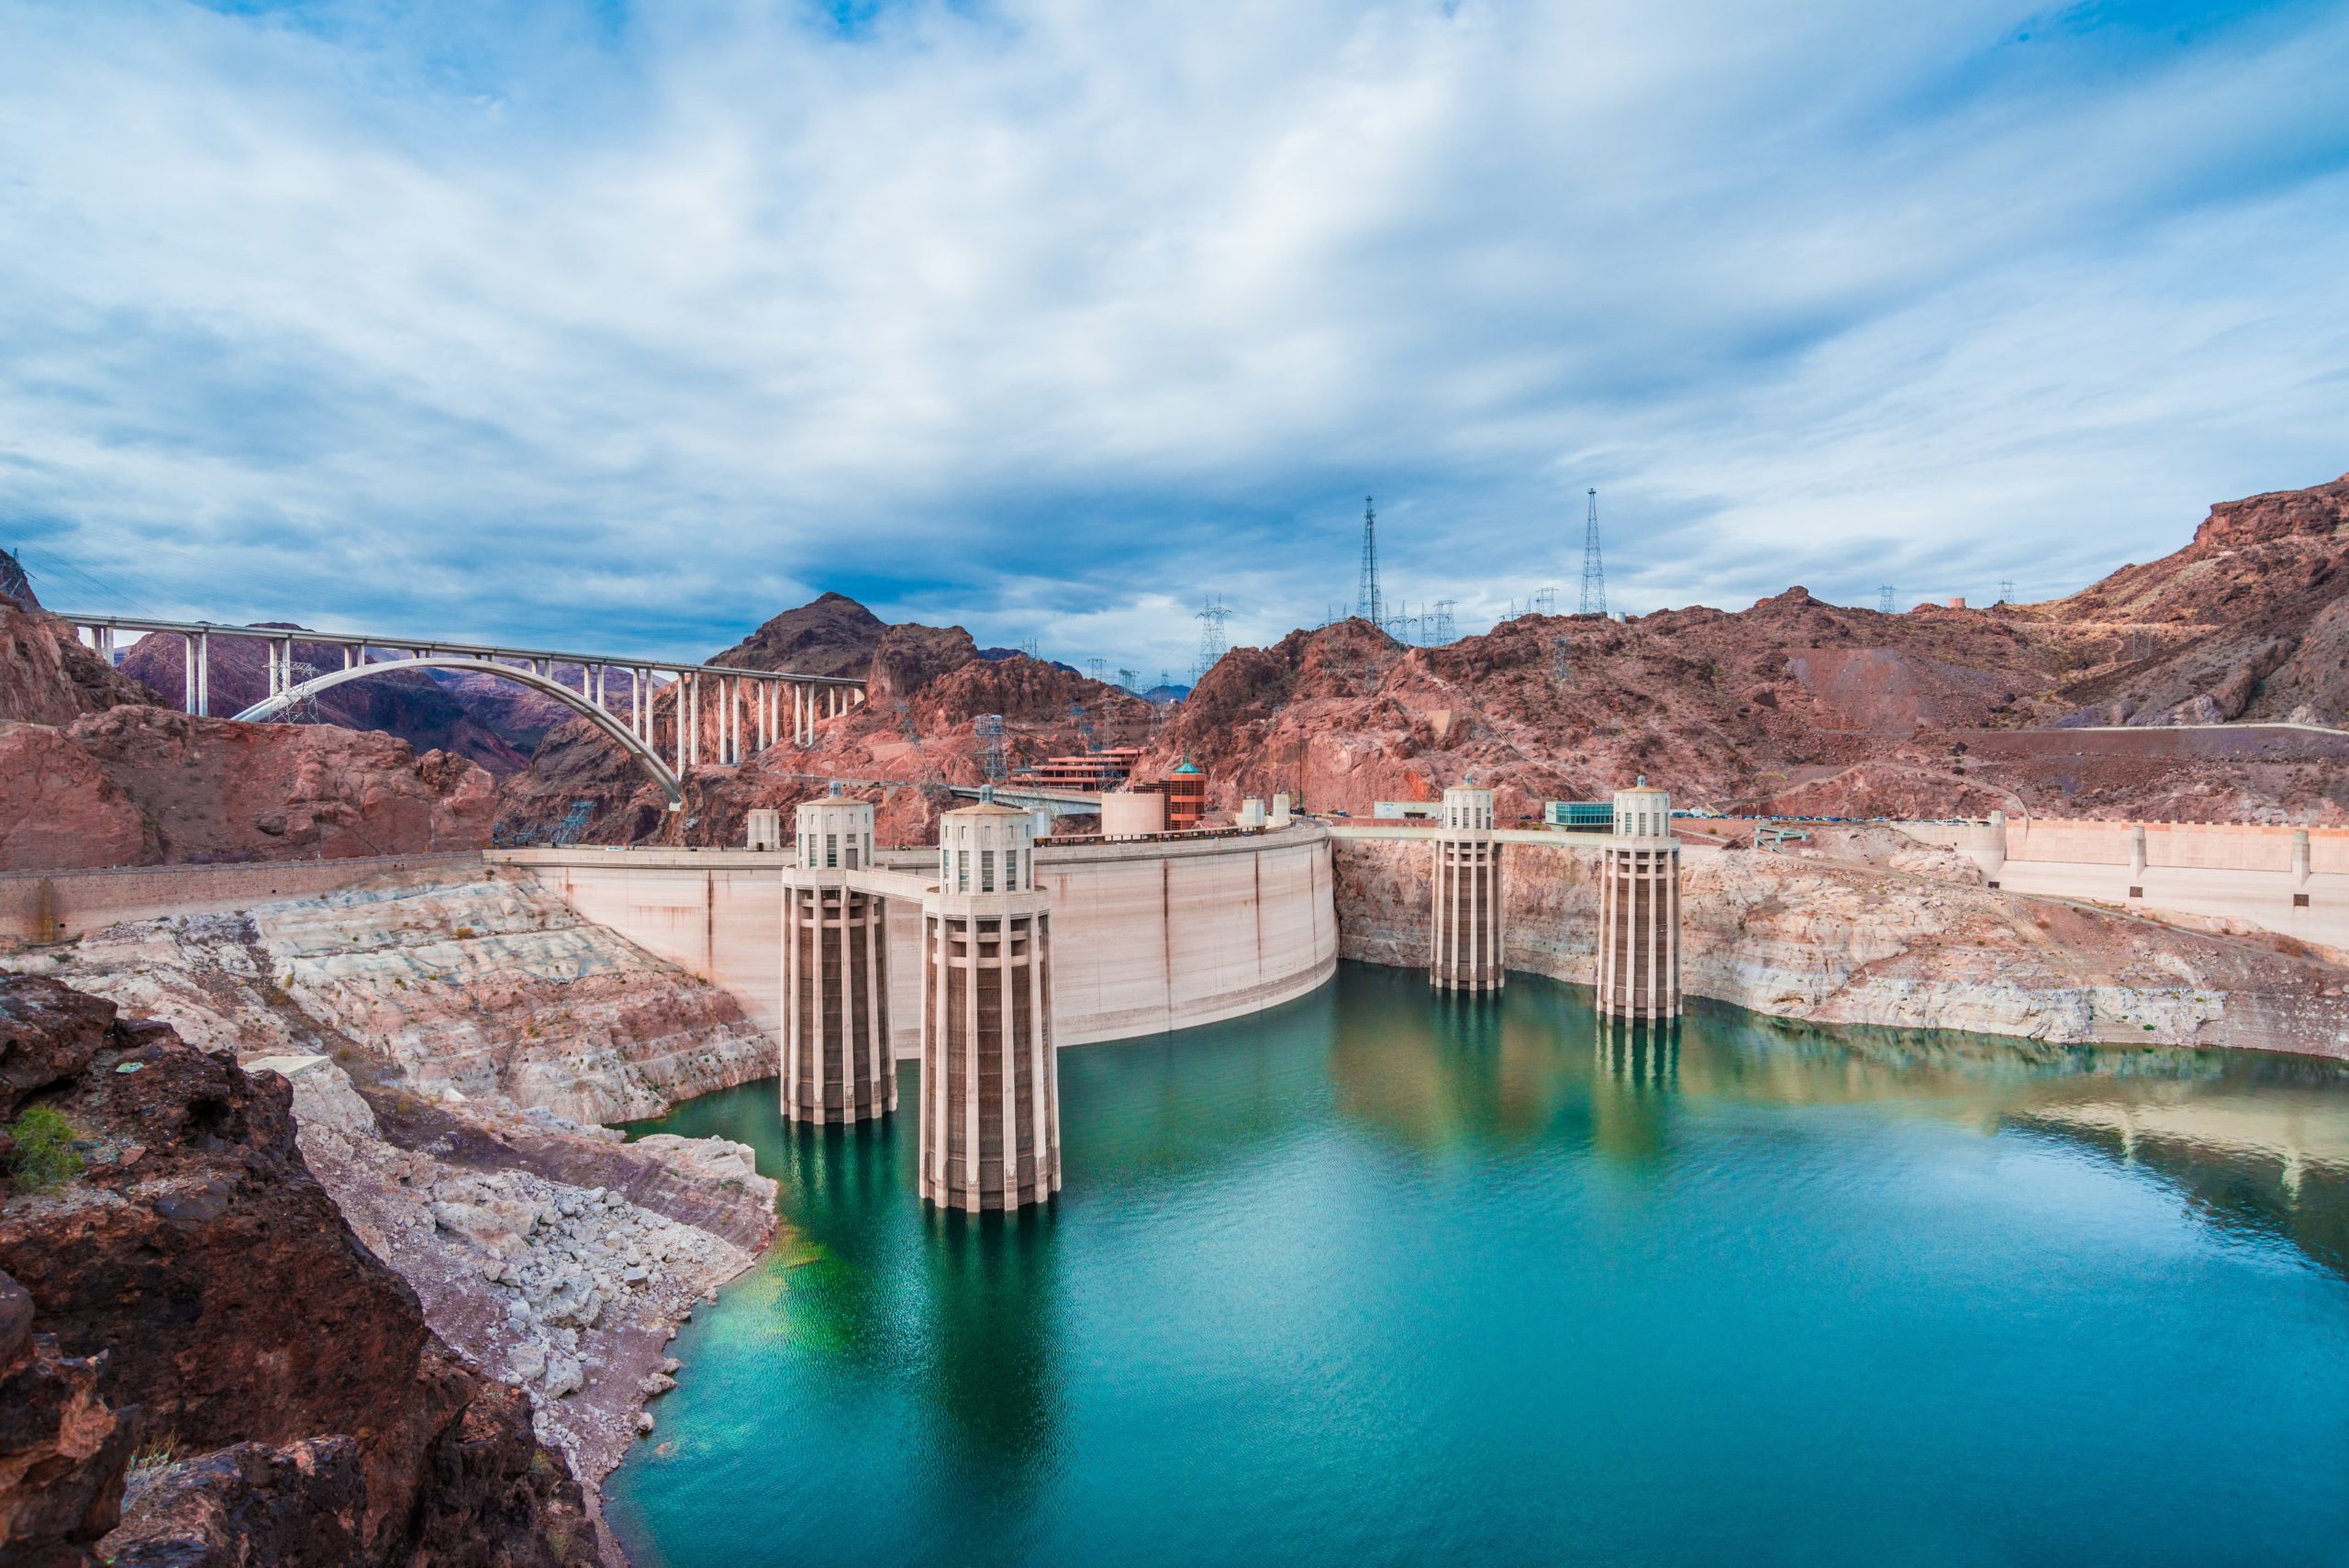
point(1146, 937)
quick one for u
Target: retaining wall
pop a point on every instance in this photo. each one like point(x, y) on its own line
point(49, 907)
point(2215, 871)
point(2208, 845)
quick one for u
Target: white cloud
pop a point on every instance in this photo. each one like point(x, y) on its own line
point(1054, 316)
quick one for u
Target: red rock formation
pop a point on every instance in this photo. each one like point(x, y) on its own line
point(209, 789)
point(233, 1315)
point(62, 1448)
point(1792, 705)
point(60, 810)
point(936, 673)
point(831, 635)
point(2249, 621)
point(48, 677)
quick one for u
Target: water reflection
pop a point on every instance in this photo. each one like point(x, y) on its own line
point(991, 1306)
point(1313, 1268)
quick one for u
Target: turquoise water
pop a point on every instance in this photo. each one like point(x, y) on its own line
point(1382, 1278)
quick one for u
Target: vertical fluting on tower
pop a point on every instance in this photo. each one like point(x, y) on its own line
point(836, 1062)
point(990, 1087)
point(1464, 928)
point(1639, 909)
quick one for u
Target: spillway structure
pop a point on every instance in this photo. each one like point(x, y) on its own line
point(1639, 909)
point(990, 1087)
point(1464, 930)
point(837, 1065)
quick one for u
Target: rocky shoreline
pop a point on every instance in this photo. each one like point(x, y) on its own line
point(446, 1042)
point(1870, 927)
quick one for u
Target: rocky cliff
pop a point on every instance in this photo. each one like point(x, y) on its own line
point(1905, 936)
point(48, 677)
point(195, 1293)
point(2249, 621)
point(446, 1044)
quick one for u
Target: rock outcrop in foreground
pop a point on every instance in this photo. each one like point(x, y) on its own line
point(194, 1292)
point(450, 1044)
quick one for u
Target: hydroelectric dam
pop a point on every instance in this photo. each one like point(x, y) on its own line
point(982, 957)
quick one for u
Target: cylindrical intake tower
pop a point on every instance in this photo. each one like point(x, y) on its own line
point(1465, 927)
point(990, 1089)
point(836, 1061)
point(1639, 909)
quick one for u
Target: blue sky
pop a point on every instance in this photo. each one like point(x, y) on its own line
point(600, 324)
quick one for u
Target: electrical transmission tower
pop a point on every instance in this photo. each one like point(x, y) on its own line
point(1594, 571)
point(988, 727)
point(1212, 641)
point(1367, 603)
point(1883, 599)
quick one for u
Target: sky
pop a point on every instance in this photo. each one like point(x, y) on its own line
point(618, 328)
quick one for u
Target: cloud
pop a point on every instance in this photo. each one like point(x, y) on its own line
point(628, 329)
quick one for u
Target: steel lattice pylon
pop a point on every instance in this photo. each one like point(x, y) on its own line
point(1594, 574)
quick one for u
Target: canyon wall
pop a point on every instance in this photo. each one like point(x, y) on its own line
point(1845, 942)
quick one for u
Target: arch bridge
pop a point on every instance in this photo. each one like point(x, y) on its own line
point(732, 710)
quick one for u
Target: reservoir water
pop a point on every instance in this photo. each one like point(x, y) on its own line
point(1386, 1278)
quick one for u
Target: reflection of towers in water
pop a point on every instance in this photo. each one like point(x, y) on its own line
point(837, 1065)
point(1464, 924)
point(1631, 1053)
point(993, 1300)
point(990, 1114)
point(1639, 909)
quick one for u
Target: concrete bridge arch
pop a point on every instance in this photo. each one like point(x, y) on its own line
point(646, 757)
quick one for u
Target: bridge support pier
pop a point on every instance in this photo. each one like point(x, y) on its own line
point(837, 1065)
point(1465, 931)
point(1639, 909)
point(990, 1114)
